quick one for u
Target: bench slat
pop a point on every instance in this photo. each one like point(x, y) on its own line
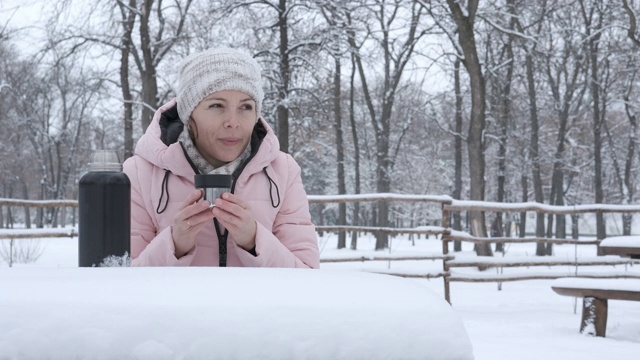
point(633, 252)
point(598, 293)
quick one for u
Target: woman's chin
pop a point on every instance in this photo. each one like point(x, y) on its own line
point(227, 157)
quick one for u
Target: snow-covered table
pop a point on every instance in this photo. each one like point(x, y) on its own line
point(222, 313)
point(628, 246)
point(595, 294)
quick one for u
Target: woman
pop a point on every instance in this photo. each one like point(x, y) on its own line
point(214, 127)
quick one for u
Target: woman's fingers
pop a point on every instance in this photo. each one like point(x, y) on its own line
point(236, 216)
point(189, 221)
point(192, 209)
point(192, 198)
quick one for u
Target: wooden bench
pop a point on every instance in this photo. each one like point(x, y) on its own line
point(595, 294)
point(627, 246)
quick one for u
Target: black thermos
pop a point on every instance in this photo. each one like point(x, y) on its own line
point(104, 202)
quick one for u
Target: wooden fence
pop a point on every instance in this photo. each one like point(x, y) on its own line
point(446, 234)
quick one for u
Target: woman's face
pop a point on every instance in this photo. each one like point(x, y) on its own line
point(223, 123)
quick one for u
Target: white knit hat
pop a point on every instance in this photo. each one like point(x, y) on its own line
point(217, 69)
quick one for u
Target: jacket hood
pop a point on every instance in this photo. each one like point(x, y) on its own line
point(160, 147)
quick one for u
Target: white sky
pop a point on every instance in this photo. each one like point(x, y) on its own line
point(28, 17)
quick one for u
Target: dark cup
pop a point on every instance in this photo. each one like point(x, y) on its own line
point(213, 185)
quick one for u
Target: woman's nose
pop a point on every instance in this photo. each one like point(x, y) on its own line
point(232, 120)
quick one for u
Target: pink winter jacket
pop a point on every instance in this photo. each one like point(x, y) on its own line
point(162, 176)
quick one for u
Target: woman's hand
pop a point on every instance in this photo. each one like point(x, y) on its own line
point(235, 215)
point(190, 219)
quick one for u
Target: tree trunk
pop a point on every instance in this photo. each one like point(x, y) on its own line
point(148, 74)
point(27, 213)
point(4, 190)
point(356, 151)
point(475, 143)
point(524, 185)
point(598, 118)
point(629, 179)
point(394, 65)
point(457, 189)
point(128, 19)
point(9, 212)
point(337, 111)
point(40, 212)
point(285, 71)
point(629, 182)
point(504, 117)
point(382, 186)
point(534, 152)
point(534, 149)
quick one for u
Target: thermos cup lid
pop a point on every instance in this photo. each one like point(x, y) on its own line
point(212, 181)
point(104, 160)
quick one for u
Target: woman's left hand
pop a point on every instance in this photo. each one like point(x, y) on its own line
point(236, 216)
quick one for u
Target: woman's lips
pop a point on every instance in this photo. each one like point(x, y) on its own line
point(230, 141)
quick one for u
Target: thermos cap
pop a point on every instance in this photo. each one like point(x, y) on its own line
point(213, 181)
point(104, 160)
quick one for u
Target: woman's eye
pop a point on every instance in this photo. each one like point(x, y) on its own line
point(215, 106)
point(247, 107)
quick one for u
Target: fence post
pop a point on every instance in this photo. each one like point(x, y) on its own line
point(446, 235)
point(11, 252)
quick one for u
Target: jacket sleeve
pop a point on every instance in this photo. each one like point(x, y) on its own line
point(293, 241)
point(148, 247)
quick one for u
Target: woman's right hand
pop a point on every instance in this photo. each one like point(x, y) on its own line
point(190, 219)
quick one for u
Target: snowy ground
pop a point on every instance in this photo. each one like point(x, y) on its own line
point(524, 320)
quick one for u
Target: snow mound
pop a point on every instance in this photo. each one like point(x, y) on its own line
point(223, 313)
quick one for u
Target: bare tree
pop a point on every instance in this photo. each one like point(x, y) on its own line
point(280, 22)
point(465, 21)
point(457, 187)
point(565, 66)
point(396, 55)
point(154, 46)
point(160, 27)
point(594, 19)
point(529, 46)
point(501, 83)
point(336, 23)
point(356, 152)
point(53, 116)
point(633, 22)
point(128, 14)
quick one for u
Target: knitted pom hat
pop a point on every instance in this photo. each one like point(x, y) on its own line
point(217, 69)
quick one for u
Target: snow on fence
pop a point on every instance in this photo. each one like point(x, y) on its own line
point(486, 262)
point(447, 235)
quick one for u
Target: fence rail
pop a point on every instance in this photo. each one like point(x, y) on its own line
point(26, 234)
point(423, 230)
point(38, 203)
point(477, 240)
point(447, 235)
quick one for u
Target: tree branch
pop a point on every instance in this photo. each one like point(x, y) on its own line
point(631, 32)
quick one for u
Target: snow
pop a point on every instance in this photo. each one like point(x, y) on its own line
point(530, 206)
point(604, 284)
point(380, 196)
point(621, 241)
point(525, 320)
point(227, 313)
point(542, 260)
point(44, 231)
